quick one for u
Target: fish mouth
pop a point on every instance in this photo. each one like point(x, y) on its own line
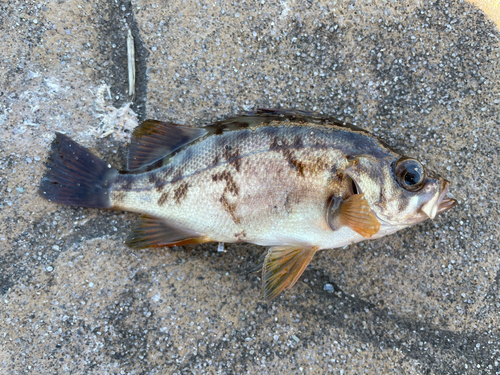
point(445, 204)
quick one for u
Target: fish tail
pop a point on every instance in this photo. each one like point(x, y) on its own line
point(75, 176)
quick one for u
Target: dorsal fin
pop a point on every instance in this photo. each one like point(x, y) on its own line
point(151, 231)
point(153, 140)
point(263, 116)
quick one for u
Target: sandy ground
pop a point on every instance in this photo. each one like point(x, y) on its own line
point(425, 77)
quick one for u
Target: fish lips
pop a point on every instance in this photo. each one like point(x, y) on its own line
point(440, 204)
point(448, 203)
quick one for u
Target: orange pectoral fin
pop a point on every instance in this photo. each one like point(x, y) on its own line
point(155, 232)
point(355, 213)
point(282, 267)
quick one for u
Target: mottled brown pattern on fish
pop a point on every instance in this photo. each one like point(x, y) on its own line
point(127, 184)
point(336, 185)
point(118, 197)
point(180, 192)
point(230, 209)
point(216, 160)
point(163, 199)
point(156, 179)
point(298, 143)
point(276, 144)
point(320, 146)
point(177, 175)
point(240, 236)
point(160, 184)
point(233, 157)
point(231, 186)
point(298, 164)
point(166, 172)
point(318, 165)
point(287, 150)
point(152, 177)
point(294, 163)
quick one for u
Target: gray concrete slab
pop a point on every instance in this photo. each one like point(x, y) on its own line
point(424, 76)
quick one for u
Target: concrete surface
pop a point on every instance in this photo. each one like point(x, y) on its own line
point(425, 76)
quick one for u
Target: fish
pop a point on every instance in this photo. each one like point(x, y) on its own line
point(294, 181)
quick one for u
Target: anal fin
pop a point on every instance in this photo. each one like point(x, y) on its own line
point(155, 232)
point(282, 267)
point(260, 263)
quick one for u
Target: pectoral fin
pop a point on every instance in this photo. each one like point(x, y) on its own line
point(154, 232)
point(282, 267)
point(354, 213)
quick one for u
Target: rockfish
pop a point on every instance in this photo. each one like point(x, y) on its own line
point(295, 181)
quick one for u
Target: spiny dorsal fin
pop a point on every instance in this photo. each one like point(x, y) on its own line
point(263, 116)
point(154, 232)
point(153, 140)
point(282, 267)
point(354, 213)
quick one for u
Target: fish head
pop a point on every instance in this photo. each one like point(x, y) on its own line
point(400, 190)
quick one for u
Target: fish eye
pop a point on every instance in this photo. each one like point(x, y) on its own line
point(410, 174)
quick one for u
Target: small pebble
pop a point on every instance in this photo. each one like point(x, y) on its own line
point(329, 288)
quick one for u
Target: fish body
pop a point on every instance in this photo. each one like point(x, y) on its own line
point(269, 186)
point(295, 181)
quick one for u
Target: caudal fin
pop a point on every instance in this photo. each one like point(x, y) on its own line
point(75, 176)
